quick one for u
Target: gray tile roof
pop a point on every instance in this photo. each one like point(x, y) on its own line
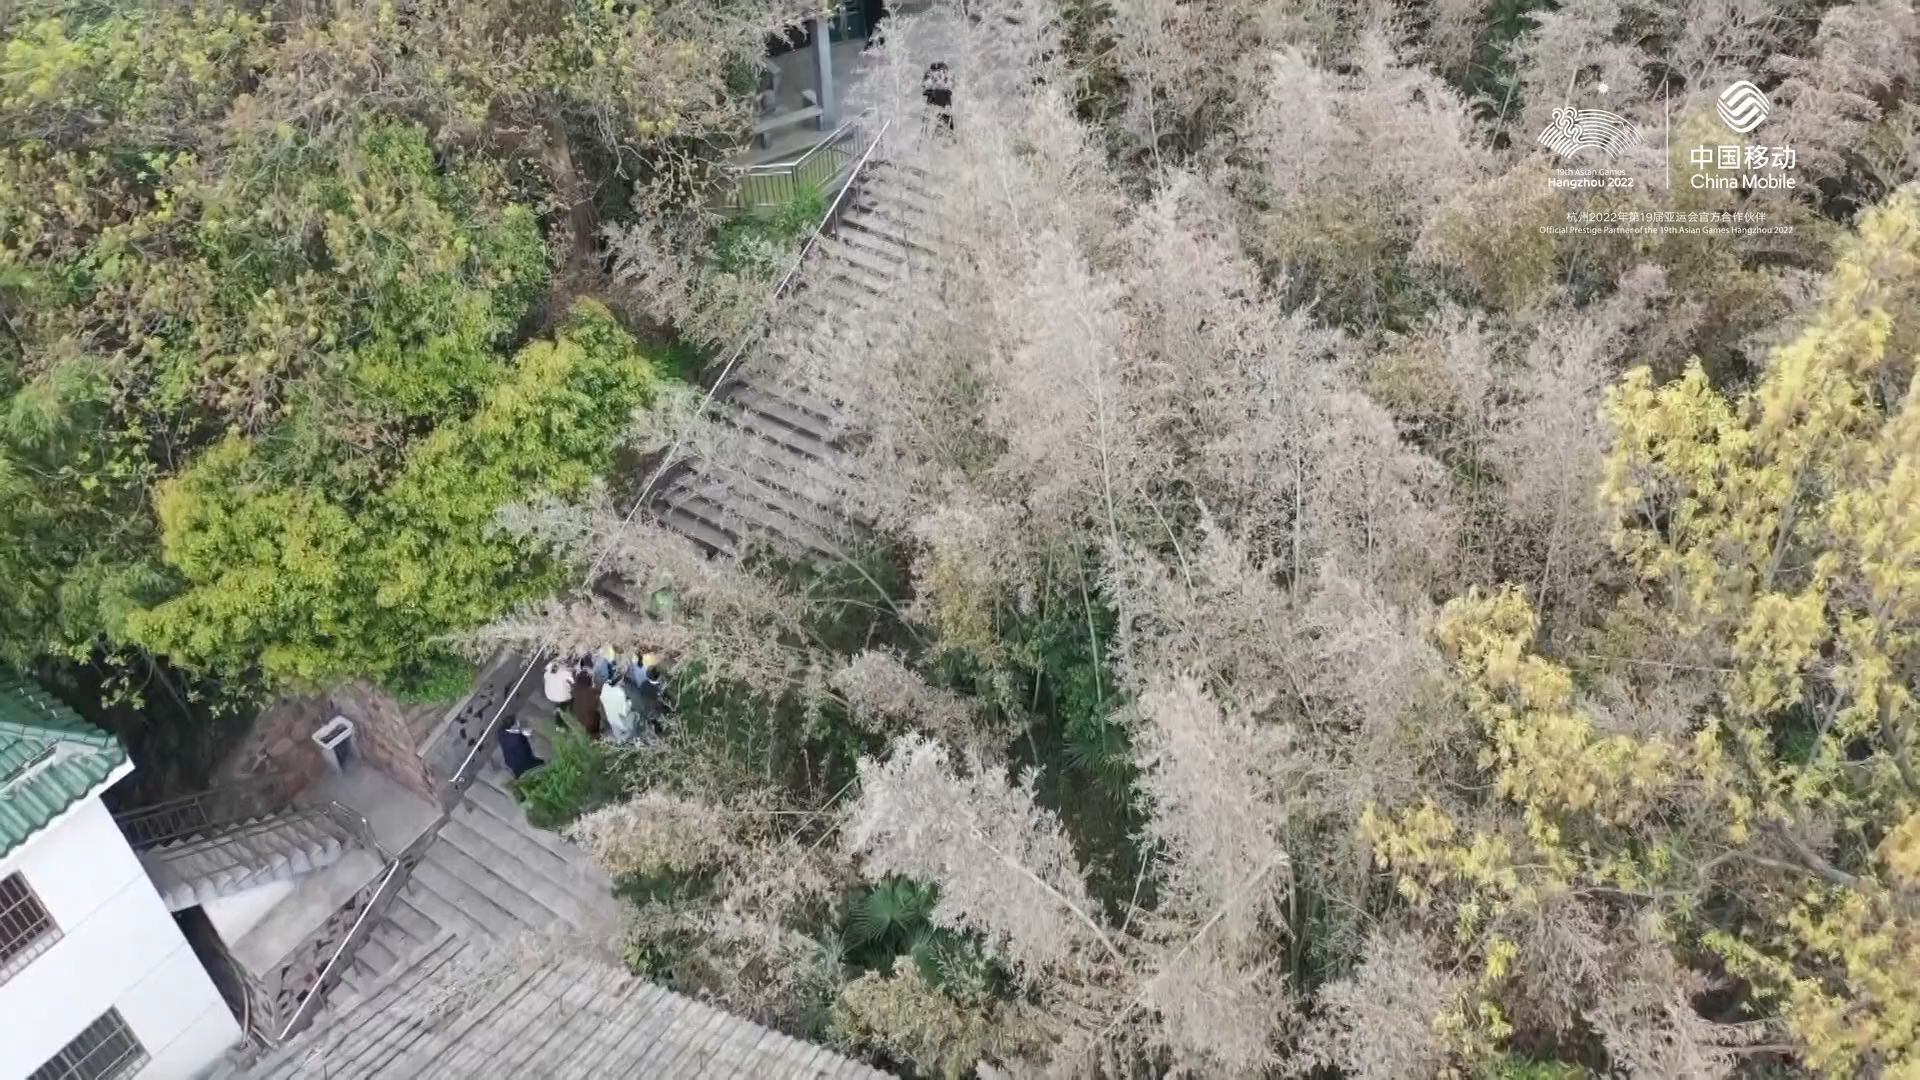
point(462, 1008)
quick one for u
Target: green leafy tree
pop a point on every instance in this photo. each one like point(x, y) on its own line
point(262, 280)
point(1773, 822)
point(315, 587)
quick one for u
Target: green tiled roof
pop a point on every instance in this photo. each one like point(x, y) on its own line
point(49, 759)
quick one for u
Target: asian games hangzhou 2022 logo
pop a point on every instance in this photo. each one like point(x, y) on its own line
point(1573, 131)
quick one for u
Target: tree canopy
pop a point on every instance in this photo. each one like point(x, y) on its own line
point(271, 279)
point(1301, 584)
point(1306, 610)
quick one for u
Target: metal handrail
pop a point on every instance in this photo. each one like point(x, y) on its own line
point(376, 908)
point(196, 814)
point(246, 1013)
point(831, 137)
point(245, 986)
point(776, 183)
point(463, 776)
point(227, 842)
point(827, 221)
point(356, 825)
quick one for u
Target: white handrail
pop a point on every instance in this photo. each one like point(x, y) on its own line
point(317, 990)
point(463, 775)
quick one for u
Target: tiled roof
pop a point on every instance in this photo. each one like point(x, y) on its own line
point(49, 759)
point(463, 1008)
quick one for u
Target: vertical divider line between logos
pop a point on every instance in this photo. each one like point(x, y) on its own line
point(1666, 122)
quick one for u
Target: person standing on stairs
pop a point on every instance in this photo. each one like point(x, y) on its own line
point(937, 88)
point(647, 684)
point(557, 683)
point(617, 708)
point(586, 703)
point(517, 750)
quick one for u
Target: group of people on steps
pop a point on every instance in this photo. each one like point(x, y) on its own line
point(606, 694)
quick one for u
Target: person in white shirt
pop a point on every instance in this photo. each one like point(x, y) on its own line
point(559, 681)
point(618, 711)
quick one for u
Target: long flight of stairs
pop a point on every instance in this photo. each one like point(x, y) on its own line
point(777, 471)
point(244, 855)
point(487, 874)
point(774, 472)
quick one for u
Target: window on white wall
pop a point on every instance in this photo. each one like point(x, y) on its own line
point(106, 1050)
point(26, 930)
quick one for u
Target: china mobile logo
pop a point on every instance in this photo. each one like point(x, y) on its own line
point(1743, 107)
point(1573, 130)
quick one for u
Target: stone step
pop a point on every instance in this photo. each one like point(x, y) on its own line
point(388, 947)
point(802, 420)
point(453, 903)
point(730, 513)
point(910, 219)
point(498, 855)
point(774, 472)
point(742, 512)
point(489, 793)
point(868, 240)
point(791, 378)
point(415, 922)
point(792, 365)
point(375, 953)
point(512, 839)
point(262, 851)
point(899, 198)
point(853, 277)
point(837, 297)
point(770, 461)
point(822, 519)
point(901, 174)
point(761, 426)
point(503, 903)
point(707, 534)
point(876, 268)
point(354, 984)
point(899, 230)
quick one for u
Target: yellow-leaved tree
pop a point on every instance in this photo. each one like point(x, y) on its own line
point(1758, 825)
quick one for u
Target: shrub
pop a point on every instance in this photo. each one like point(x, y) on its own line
point(576, 779)
point(432, 680)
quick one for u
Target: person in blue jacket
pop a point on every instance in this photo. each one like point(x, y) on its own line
point(517, 750)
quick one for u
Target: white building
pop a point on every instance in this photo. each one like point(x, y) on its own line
point(96, 979)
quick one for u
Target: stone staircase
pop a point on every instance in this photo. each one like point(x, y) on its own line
point(488, 873)
point(774, 472)
point(245, 855)
point(459, 1008)
point(777, 470)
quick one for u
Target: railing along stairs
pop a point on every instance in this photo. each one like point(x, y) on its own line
point(226, 815)
point(817, 169)
point(717, 376)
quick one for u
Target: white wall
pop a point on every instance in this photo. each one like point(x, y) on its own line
point(118, 948)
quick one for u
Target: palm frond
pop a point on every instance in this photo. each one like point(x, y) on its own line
point(893, 908)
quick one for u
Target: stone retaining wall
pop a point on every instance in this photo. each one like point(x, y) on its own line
point(281, 741)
